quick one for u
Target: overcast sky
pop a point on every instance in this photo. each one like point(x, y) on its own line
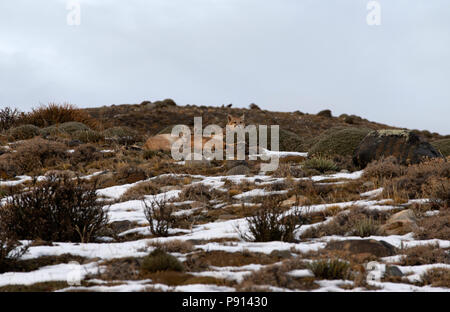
point(283, 55)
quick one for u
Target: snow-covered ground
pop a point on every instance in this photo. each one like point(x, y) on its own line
point(133, 211)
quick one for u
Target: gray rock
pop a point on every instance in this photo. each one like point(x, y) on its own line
point(392, 270)
point(405, 145)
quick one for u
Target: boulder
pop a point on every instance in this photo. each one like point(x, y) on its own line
point(363, 246)
point(400, 223)
point(405, 145)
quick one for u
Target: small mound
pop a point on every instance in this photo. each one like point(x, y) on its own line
point(340, 141)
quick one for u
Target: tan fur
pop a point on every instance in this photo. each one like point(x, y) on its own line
point(163, 142)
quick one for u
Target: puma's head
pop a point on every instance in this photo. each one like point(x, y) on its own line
point(236, 122)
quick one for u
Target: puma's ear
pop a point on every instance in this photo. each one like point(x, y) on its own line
point(229, 118)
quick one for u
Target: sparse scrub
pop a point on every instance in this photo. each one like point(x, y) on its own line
point(159, 260)
point(330, 269)
point(87, 136)
point(366, 227)
point(159, 216)
point(425, 254)
point(437, 277)
point(10, 248)
point(33, 155)
point(386, 168)
point(121, 135)
point(58, 209)
point(436, 226)
point(174, 246)
point(197, 192)
point(85, 153)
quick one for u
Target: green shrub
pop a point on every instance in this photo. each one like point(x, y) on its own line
point(72, 127)
point(320, 164)
point(159, 260)
point(51, 131)
point(366, 227)
point(341, 141)
point(58, 209)
point(330, 269)
point(23, 132)
point(87, 136)
point(442, 146)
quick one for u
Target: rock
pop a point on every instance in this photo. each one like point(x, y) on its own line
point(363, 246)
point(239, 170)
point(74, 143)
point(400, 223)
point(405, 145)
point(325, 113)
point(392, 270)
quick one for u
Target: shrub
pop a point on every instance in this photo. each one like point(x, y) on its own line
point(366, 227)
point(159, 216)
point(10, 250)
point(437, 189)
point(442, 146)
point(270, 224)
point(196, 192)
point(325, 113)
point(8, 118)
point(436, 226)
point(413, 182)
point(340, 141)
point(58, 209)
point(33, 155)
point(159, 260)
point(386, 168)
point(437, 277)
point(330, 269)
point(53, 114)
point(23, 132)
point(130, 174)
point(121, 135)
point(320, 164)
point(51, 131)
point(84, 153)
point(87, 136)
point(425, 254)
point(72, 127)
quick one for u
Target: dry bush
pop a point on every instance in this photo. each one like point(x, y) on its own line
point(10, 248)
point(437, 189)
point(33, 155)
point(130, 174)
point(354, 221)
point(121, 135)
point(386, 168)
point(330, 269)
point(196, 192)
point(159, 216)
point(23, 132)
point(436, 226)
point(269, 223)
point(58, 209)
point(425, 254)
point(174, 246)
point(153, 187)
point(159, 260)
point(276, 275)
point(53, 114)
point(85, 153)
point(87, 136)
point(416, 178)
point(320, 164)
point(8, 118)
point(437, 277)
